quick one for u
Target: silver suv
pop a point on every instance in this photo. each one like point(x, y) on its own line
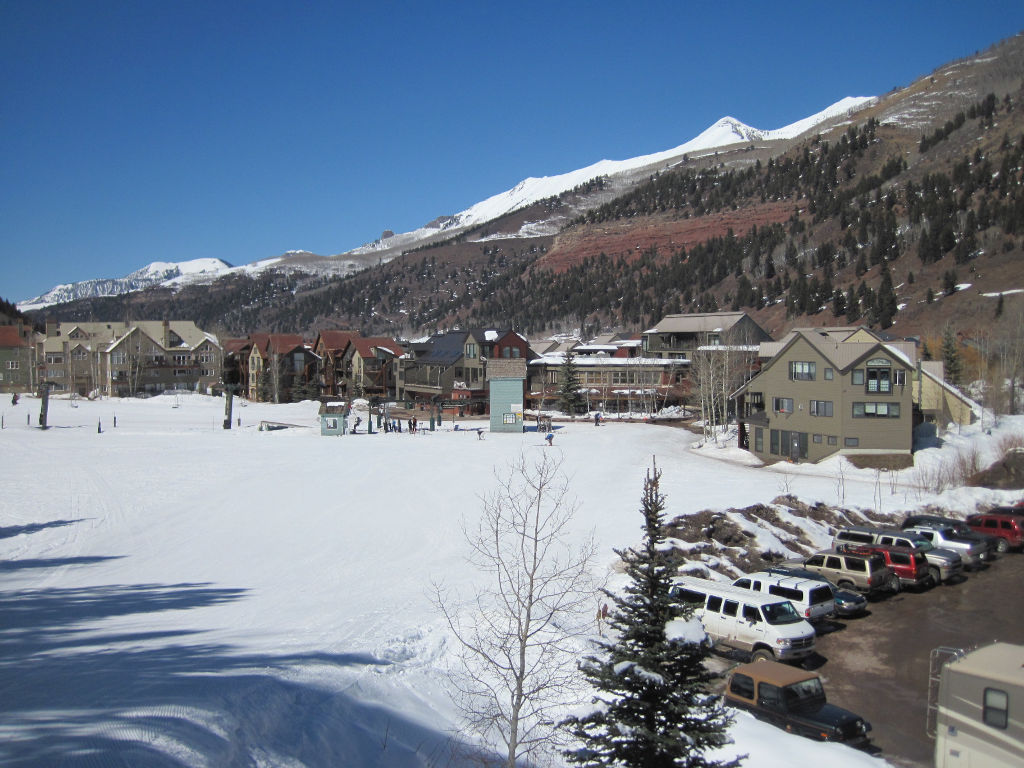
point(971, 552)
point(943, 564)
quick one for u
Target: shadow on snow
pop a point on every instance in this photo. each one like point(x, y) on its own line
point(17, 530)
point(75, 696)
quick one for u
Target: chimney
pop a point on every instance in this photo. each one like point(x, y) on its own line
point(167, 334)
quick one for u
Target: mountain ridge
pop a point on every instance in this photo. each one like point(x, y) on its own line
point(720, 134)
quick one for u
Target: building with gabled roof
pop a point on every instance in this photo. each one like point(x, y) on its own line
point(282, 368)
point(823, 391)
point(680, 335)
point(370, 365)
point(117, 358)
point(17, 359)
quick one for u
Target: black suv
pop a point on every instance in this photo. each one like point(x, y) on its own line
point(792, 698)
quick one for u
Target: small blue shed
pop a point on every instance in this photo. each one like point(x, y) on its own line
point(333, 419)
point(506, 381)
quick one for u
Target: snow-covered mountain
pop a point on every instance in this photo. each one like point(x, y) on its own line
point(724, 133)
point(157, 273)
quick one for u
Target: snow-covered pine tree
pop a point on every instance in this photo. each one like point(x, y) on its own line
point(652, 707)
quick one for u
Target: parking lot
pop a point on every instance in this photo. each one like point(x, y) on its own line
point(877, 665)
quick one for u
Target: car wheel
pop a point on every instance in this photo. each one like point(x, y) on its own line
point(848, 585)
point(1002, 546)
point(762, 654)
point(894, 584)
point(935, 575)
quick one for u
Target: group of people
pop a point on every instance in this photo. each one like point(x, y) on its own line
point(389, 425)
point(395, 425)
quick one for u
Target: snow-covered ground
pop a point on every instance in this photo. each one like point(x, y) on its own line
point(177, 594)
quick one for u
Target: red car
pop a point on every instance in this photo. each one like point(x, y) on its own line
point(908, 563)
point(1009, 527)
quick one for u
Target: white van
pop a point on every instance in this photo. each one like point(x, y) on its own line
point(812, 599)
point(766, 626)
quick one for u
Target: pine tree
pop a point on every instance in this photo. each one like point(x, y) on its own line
point(951, 357)
point(887, 304)
point(654, 707)
point(569, 398)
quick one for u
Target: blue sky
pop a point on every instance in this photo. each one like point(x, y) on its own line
point(144, 131)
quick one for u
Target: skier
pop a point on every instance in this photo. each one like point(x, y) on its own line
point(550, 436)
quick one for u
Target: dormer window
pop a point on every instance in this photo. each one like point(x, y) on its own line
point(878, 375)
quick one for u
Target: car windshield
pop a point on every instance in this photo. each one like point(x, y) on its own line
point(781, 613)
point(803, 694)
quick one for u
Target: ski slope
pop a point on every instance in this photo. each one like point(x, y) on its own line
point(177, 594)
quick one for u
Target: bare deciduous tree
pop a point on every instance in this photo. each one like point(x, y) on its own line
point(518, 632)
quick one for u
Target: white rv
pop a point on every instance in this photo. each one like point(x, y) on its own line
point(980, 715)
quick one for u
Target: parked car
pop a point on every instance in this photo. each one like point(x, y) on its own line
point(991, 543)
point(792, 699)
point(907, 563)
point(1008, 527)
point(765, 626)
point(812, 599)
point(972, 551)
point(943, 564)
point(865, 573)
point(846, 603)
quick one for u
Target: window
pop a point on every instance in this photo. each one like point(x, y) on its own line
point(689, 597)
point(782, 404)
point(515, 353)
point(787, 592)
point(768, 696)
point(13, 365)
point(54, 358)
point(742, 685)
point(857, 376)
point(506, 352)
point(774, 438)
point(758, 440)
point(833, 440)
point(817, 438)
point(876, 410)
point(821, 408)
point(816, 560)
point(471, 350)
point(714, 604)
point(118, 358)
point(508, 418)
point(332, 423)
point(750, 614)
point(899, 377)
point(731, 607)
point(851, 442)
point(801, 371)
point(828, 374)
point(996, 708)
point(79, 354)
point(182, 359)
point(879, 380)
point(834, 563)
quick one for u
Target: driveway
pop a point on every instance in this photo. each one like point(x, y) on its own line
point(877, 665)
